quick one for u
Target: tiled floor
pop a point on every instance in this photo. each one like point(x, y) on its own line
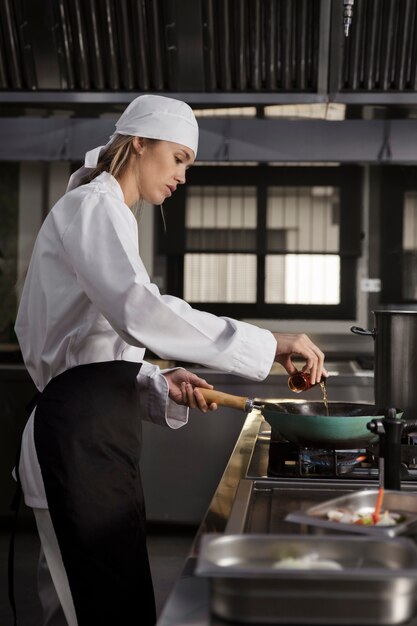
point(168, 548)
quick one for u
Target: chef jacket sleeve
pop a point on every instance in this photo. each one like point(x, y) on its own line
point(101, 244)
point(155, 405)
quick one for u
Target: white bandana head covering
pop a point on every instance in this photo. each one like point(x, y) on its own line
point(152, 117)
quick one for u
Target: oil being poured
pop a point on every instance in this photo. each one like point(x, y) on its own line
point(300, 381)
point(324, 393)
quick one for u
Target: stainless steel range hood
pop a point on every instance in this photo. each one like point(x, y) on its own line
point(74, 64)
point(214, 51)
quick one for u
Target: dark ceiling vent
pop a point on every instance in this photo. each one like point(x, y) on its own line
point(83, 45)
point(275, 47)
point(381, 50)
point(159, 44)
point(261, 44)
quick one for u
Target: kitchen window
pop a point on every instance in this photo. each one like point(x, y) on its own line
point(303, 239)
point(410, 246)
point(265, 241)
point(220, 247)
point(398, 223)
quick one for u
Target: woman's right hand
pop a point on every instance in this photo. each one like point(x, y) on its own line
point(183, 389)
point(299, 344)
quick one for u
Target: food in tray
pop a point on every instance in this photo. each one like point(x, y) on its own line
point(309, 561)
point(365, 517)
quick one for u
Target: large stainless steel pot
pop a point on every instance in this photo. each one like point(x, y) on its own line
point(395, 369)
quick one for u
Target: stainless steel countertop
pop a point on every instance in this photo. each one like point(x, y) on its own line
point(189, 602)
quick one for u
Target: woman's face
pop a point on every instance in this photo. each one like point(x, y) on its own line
point(160, 168)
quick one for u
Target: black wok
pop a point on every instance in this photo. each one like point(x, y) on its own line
point(307, 424)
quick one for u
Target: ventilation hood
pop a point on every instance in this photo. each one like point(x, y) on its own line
point(210, 52)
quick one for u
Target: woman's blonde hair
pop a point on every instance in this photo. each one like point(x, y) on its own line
point(114, 159)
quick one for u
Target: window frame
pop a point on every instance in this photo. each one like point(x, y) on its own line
point(348, 179)
point(395, 182)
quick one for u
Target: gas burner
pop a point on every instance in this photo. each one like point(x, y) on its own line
point(288, 460)
point(329, 462)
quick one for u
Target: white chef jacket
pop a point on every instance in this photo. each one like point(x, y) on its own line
point(87, 298)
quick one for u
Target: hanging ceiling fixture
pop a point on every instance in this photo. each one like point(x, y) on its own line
point(347, 15)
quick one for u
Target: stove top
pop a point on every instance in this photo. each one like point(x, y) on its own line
point(277, 459)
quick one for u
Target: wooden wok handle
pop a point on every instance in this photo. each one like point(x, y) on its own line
point(224, 399)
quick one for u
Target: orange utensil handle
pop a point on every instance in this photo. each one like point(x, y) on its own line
point(224, 399)
point(378, 505)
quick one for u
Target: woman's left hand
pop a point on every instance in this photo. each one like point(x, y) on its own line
point(183, 390)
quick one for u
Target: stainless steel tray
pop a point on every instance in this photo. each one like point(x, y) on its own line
point(376, 585)
point(362, 501)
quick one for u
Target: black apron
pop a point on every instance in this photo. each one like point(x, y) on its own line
point(87, 434)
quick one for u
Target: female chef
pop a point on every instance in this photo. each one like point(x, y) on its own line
point(87, 313)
